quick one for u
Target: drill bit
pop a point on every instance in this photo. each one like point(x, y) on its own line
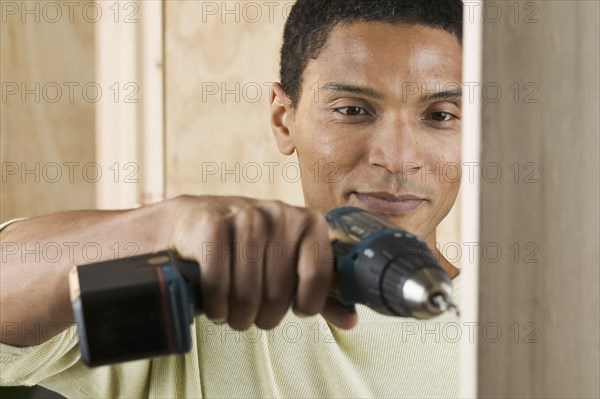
point(440, 301)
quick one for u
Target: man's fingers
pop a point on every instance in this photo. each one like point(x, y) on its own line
point(339, 315)
point(280, 269)
point(245, 295)
point(215, 259)
point(256, 258)
point(315, 267)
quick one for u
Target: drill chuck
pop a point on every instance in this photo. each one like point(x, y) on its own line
point(385, 268)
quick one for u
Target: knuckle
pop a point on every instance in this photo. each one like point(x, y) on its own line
point(214, 222)
point(275, 207)
point(247, 211)
point(310, 224)
point(245, 220)
point(214, 266)
point(246, 302)
point(317, 221)
point(317, 274)
point(276, 305)
point(277, 294)
point(307, 219)
point(183, 198)
point(215, 279)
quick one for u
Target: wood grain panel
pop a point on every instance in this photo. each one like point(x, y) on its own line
point(542, 293)
point(219, 66)
point(50, 130)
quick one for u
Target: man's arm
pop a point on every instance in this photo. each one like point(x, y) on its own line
point(236, 288)
point(38, 253)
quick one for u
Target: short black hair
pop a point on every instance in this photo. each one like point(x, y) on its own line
point(310, 22)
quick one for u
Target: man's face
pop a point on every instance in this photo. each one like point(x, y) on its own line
point(369, 131)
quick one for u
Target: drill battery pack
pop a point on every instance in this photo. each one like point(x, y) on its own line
point(134, 308)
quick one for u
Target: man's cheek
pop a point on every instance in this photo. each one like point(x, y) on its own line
point(445, 166)
point(451, 173)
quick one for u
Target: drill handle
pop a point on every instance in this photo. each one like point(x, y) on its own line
point(190, 271)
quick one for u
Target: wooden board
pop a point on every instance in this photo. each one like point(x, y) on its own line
point(539, 300)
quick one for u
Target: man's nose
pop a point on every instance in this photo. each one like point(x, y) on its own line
point(396, 147)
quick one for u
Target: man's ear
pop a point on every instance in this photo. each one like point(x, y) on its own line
point(282, 119)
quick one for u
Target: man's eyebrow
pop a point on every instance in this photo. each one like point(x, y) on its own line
point(350, 88)
point(448, 95)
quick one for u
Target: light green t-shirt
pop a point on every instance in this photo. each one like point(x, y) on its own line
point(301, 358)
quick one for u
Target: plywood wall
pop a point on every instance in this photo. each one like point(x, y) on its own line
point(221, 58)
point(539, 298)
point(47, 115)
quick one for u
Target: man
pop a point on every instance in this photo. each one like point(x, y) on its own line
point(374, 88)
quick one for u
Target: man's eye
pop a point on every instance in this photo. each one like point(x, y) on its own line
point(352, 111)
point(441, 116)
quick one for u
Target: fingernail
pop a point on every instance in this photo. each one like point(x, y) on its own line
point(298, 314)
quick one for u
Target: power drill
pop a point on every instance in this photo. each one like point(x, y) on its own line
point(142, 306)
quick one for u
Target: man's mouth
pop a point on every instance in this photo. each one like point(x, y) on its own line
point(389, 203)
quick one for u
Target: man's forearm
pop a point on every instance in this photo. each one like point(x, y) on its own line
point(38, 253)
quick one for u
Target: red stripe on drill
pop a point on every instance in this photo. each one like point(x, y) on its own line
point(166, 309)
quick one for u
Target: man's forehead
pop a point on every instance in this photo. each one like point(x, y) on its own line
point(375, 58)
point(384, 35)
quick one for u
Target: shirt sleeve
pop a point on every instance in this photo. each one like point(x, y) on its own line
point(32, 364)
point(56, 365)
point(9, 222)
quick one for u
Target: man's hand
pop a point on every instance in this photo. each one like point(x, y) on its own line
point(257, 259)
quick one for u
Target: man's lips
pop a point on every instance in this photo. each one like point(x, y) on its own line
point(389, 203)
